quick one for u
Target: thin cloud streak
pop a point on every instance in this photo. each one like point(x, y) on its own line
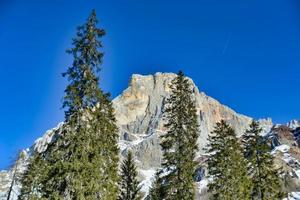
point(227, 43)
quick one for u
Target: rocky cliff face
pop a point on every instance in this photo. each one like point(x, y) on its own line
point(139, 118)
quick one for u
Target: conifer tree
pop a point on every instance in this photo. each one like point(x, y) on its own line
point(265, 180)
point(129, 185)
point(33, 178)
point(179, 144)
point(83, 162)
point(226, 166)
point(157, 190)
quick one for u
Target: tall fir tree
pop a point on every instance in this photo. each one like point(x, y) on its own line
point(129, 185)
point(83, 162)
point(227, 168)
point(265, 179)
point(179, 144)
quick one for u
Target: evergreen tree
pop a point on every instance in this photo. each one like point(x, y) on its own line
point(265, 179)
point(83, 162)
point(33, 178)
point(129, 185)
point(227, 168)
point(179, 144)
point(157, 190)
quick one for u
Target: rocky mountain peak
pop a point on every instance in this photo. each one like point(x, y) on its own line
point(139, 116)
point(293, 124)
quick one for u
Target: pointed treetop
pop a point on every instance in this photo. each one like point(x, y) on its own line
point(180, 73)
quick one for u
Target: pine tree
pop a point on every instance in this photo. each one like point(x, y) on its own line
point(157, 190)
point(129, 185)
point(265, 179)
point(227, 168)
point(179, 144)
point(83, 162)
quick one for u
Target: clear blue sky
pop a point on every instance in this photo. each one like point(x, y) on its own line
point(244, 53)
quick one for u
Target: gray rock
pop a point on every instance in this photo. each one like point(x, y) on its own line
point(139, 113)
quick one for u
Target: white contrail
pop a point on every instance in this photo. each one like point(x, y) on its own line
point(227, 43)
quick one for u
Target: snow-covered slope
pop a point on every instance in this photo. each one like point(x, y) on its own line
point(285, 142)
point(139, 118)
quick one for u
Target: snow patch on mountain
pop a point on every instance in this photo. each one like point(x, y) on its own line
point(293, 124)
point(282, 148)
point(148, 176)
point(293, 196)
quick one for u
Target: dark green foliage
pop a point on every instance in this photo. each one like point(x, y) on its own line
point(265, 179)
point(129, 185)
point(157, 190)
point(83, 162)
point(33, 178)
point(179, 144)
point(83, 91)
point(226, 166)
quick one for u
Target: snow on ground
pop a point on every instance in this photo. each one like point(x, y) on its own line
point(293, 196)
point(293, 124)
point(296, 195)
point(282, 148)
point(137, 141)
point(297, 173)
point(288, 158)
point(202, 185)
point(122, 145)
point(148, 179)
point(291, 161)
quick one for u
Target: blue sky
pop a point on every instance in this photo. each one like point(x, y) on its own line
point(244, 53)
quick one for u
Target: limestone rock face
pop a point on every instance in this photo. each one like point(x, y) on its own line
point(139, 116)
